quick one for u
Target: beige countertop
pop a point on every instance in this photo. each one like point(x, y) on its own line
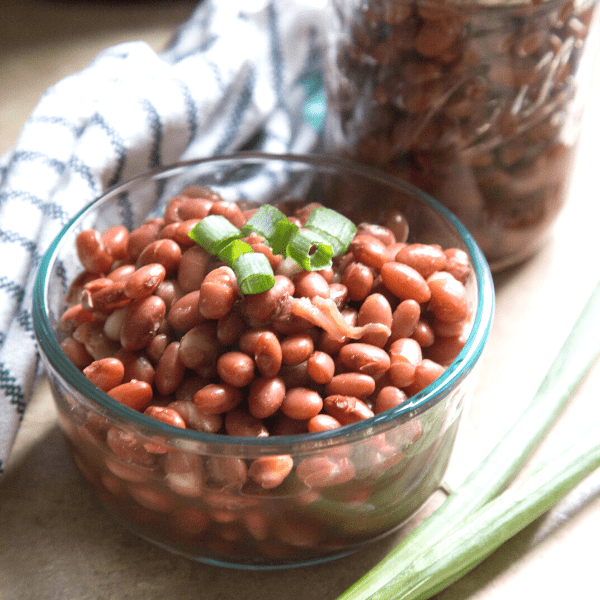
point(57, 543)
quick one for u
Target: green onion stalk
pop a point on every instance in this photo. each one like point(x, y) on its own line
point(470, 524)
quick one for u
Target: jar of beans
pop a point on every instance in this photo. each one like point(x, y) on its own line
point(478, 103)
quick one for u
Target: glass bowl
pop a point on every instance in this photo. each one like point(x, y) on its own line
point(193, 493)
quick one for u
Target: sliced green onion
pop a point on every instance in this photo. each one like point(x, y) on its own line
point(310, 250)
point(488, 480)
point(284, 232)
point(214, 232)
point(264, 222)
point(333, 224)
point(232, 251)
point(478, 535)
point(254, 273)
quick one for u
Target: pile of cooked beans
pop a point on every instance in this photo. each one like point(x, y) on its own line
point(160, 325)
point(474, 102)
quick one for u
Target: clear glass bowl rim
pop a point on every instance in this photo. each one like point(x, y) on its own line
point(417, 404)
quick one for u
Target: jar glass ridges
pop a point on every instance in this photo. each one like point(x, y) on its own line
point(477, 103)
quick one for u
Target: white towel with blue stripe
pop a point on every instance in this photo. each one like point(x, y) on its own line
point(238, 73)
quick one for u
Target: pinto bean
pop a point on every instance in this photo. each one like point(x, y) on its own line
point(170, 370)
point(266, 305)
point(449, 301)
point(166, 252)
point(141, 237)
point(405, 355)
point(405, 319)
point(358, 279)
point(144, 281)
point(365, 358)
point(241, 423)
point(424, 258)
point(265, 396)
point(369, 251)
point(142, 320)
point(134, 394)
point(217, 398)
point(320, 367)
point(389, 397)
point(105, 373)
point(115, 241)
point(301, 403)
point(270, 471)
point(236, 368)
point(405, 282)
point(296, 348)
point(268, 354)
point(218, 293)
point(184, 314)
point(193, 267)
point(310, 284)
point(351, 384)
point(346, 409)
point(92, 251)
point(375, 309)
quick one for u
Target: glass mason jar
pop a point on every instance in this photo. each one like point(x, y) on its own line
point(478, 103)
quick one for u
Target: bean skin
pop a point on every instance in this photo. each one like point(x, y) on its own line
point(405, 319)
point(301, 403)
point(170, 370)
point(405, 282)
point(105, 373)
point(320, 367)
point(383, 234)
point(265, 396)
point(365, 358)
point(217, 398)
point(323, 471)
point(76, 352)
point(134, 394)
point(144, 281)
point(296, 348)
point(236, 368)
point(142, 320)
point(351, 384)
point(346, 409)
point(184, 314)
point(92, 252)
point(165, 252)
point(358, 279)
point(267, 354)
point(270, 471)
point(369, 251)
point(375, 309)
point(322, 422)
point(218, 293)
point(198, 347)
point(424, 258)
point(449, 301)
point(389, 397)
point(241, 423)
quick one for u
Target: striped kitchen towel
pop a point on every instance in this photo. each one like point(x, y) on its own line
point(238, 74)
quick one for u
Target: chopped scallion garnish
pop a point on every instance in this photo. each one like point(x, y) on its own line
point(328, 221)
point(310, 250)
point(284, 233)
point(232, 251)
point(214, 232)
point(264, 222)
point(253, 272)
